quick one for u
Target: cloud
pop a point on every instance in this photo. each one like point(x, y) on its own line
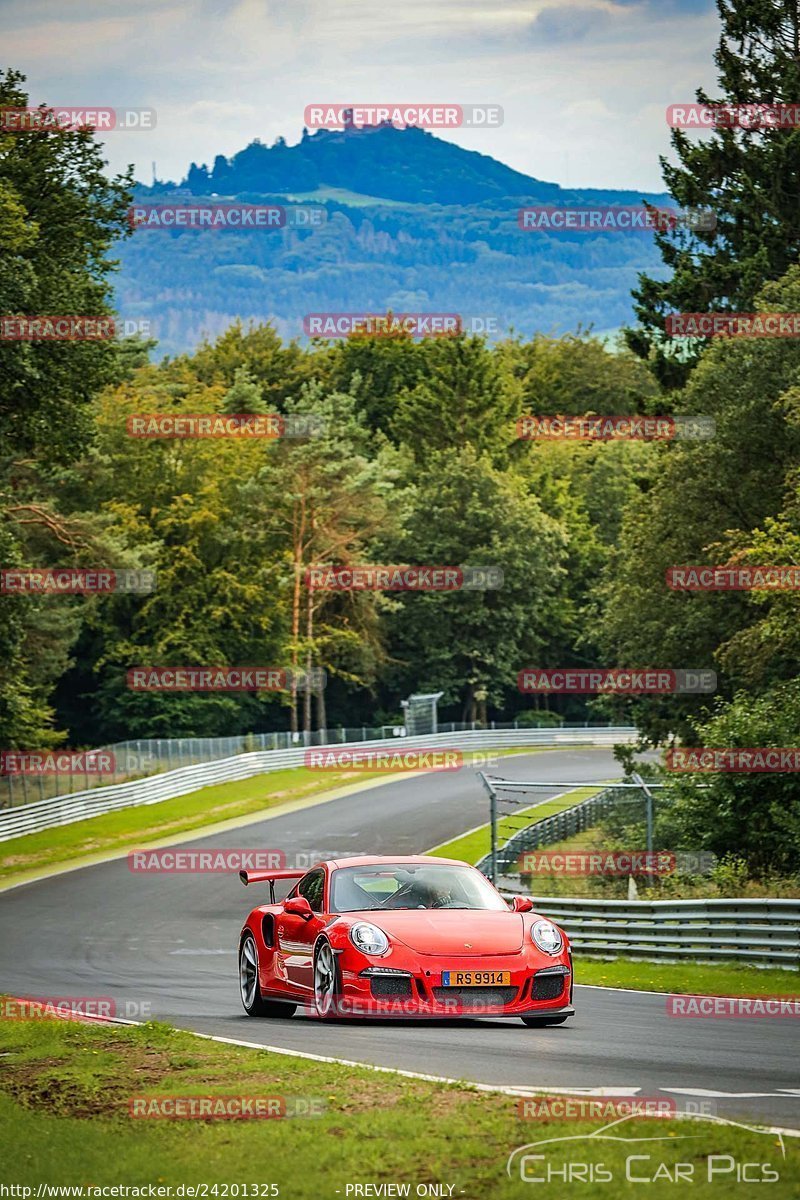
point(554, 25)
point(590, 78)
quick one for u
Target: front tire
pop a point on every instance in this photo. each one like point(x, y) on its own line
point(249, 989)
point(327, 980)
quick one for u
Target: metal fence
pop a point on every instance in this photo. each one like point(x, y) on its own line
point(78, 806)
point(139, 758)
point(754, 931)
point(553, 829)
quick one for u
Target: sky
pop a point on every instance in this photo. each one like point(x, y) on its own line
point(583, 83)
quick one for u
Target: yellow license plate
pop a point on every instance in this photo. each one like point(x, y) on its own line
point(476, 978)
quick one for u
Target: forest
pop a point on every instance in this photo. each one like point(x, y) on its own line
point(409, 453)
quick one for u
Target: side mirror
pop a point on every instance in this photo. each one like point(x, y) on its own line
point(299, 906)
point(522, 904)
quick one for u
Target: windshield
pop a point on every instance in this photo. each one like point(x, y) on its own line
point(392, 886)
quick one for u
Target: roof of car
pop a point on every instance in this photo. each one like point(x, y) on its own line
point(377, 860)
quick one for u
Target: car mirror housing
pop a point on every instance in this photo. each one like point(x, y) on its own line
point(299, 906)
point(522, 904)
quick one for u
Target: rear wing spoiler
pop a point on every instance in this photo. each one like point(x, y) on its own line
point(269, 877)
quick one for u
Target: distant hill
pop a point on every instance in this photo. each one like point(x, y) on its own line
point(413, 223)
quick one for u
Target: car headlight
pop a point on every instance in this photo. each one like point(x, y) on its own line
point(547, 937)
point(369, 939)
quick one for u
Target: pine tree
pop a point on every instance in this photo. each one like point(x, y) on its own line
point(244, 396)
point(749, 177)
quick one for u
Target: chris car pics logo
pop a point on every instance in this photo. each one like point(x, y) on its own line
point(651, 1158)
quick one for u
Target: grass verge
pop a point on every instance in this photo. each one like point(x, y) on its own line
point(65, 1092)
point(132, 827)
point(700, 979)
point(473, 845)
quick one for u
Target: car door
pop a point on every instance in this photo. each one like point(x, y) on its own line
point(296, 934)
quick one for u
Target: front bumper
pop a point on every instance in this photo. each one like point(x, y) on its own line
point(534, 988)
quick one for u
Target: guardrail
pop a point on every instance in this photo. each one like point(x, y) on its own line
point(79, 806)
point(141, 757)
point(561, 825)
point(754, 931)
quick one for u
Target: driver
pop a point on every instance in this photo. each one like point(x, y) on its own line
point(421, 893)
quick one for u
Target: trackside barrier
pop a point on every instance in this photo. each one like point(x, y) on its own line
point(79, 806)
point(761, 932)
point(140, 757)
point(754, 931)
point(561, 825)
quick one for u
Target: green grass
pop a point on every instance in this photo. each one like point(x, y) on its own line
point(133, 827)
point(701, 979)
point(64, 1120)
point(474, 845)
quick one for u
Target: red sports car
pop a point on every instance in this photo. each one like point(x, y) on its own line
point(379, 936)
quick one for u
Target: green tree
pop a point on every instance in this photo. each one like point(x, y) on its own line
point(377, 369)
point(464, 396)
point(59, 215)
point(754, 816)
point(767, 649)
point(181, 507)
point(322, 500)
point(706, 499)
point(464, 511)
point(746, 176)
point(244, 395)
point(277, 369)
point(578, 375)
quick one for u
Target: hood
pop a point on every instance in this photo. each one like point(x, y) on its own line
point(456, 932)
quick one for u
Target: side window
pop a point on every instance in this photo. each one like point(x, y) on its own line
point(312, 886)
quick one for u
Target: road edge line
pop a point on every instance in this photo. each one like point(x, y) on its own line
point(466, 1085)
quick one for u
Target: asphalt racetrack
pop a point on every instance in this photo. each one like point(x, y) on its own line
point(169, 941)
